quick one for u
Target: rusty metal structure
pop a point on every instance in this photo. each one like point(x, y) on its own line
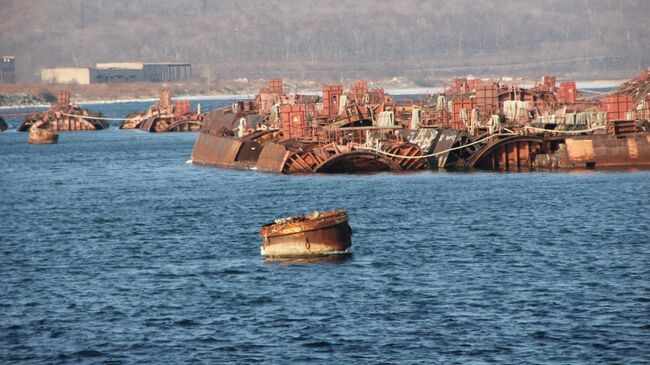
point(41, 133)
point(340, 133)
point(475, 124)
point(42, 136)
point(65, 117)
point(165, 116)
point(546, 126)
point(316, 234)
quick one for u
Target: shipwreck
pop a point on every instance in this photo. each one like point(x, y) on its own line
point(165, 116)
point(63, 116)
point(355, 132)
point(472, 124)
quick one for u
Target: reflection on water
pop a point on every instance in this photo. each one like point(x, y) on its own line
point(335, 258)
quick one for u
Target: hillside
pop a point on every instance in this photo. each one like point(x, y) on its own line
point(332, 39)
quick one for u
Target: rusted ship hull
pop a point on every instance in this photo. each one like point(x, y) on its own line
point(267, 156)
point(42, 136)
point(133, 120)
point(548, 152)
point(605, 151)
point(225, 152)
point(162, 125)
point(64, 117)
point(329, 234)
point(165, 116)
point(65, 121)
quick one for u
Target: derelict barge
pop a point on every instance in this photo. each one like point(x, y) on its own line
point(472, 124)
point(165, 116)
point(65, 116)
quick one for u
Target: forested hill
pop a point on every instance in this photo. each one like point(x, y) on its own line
point(331, 38)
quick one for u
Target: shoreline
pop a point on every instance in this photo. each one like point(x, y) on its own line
point(132, 100)
point(585, 85)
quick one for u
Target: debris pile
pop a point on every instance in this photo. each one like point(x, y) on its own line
point(471, 124)
point(165, 116)
point(65, 116)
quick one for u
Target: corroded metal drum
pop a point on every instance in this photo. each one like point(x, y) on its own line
point(41, 136)
point(316, 234)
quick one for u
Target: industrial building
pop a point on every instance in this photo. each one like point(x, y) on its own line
point(8, 70)
point(119, 72)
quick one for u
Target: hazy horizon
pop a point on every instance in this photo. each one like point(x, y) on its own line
point(332, 39)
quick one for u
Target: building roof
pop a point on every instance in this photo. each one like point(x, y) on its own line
point(167, 64)
point(122, 65)
point(136, 65)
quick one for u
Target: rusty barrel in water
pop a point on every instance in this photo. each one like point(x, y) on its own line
point(316, 234)
point(42, 136)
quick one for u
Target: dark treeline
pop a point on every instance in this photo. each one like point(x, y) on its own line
point(330, 38)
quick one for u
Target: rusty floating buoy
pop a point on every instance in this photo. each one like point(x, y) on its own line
point(42, 136)
point(315, 234)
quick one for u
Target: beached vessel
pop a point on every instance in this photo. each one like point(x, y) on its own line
point(315, 234)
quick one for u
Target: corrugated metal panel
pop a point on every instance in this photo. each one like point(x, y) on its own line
point(617, 106)
point(275, 86)
point(487, 98)
point(458, 106)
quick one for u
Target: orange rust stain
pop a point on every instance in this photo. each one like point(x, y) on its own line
point(580, 150)
point(632, 148)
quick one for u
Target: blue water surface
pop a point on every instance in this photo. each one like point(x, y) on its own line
point(114, 250)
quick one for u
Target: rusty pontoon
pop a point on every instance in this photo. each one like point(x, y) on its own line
point(315, 234)
point(298, 134)
point(40, 133)
point(165, 116)
point(64, 117)
point(473, 124)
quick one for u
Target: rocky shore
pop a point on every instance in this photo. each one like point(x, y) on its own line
point(39, 94)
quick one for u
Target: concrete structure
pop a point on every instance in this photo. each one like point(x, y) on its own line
point(163, 72)
point(121, 65)
point(108, 75)
point(66, 75)
point(120, 72)
point(7, 70)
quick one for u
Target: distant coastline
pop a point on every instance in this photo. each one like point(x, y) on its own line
point(41, 95)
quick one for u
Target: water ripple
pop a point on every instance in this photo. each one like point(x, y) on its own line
point(113, 250)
